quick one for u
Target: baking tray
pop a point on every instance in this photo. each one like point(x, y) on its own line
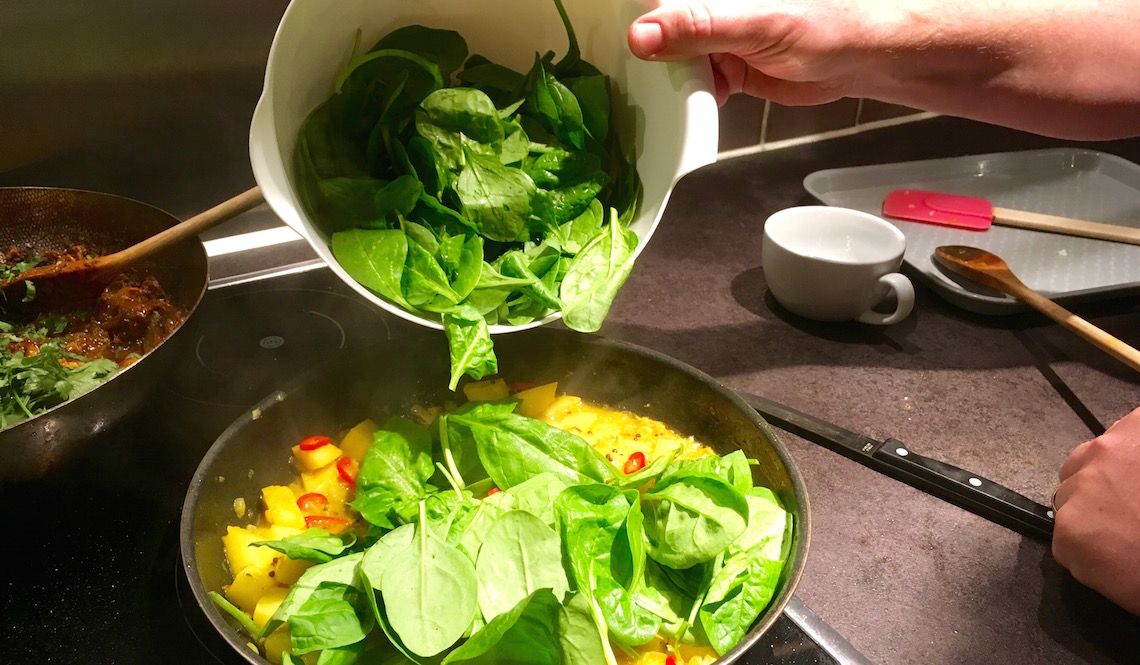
point(1071, 182)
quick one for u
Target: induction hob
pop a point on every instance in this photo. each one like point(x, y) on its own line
point(94, 572)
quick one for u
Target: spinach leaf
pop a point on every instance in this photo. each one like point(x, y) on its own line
point(767, 524)
point(556, 106)
point(692, 519)
point(524, 633)
point(399, 196)
point(535, 495)
point(515, 265)
point(578, 232)
point(316, 545)
point(469, 342)
point(429, 592)
point(344, 655)
point(520, 555)
point(649, 472)
point(733, 468)
point(446, 48)
point(394, 471)
point(467, 111)
point(514, 448)
point(327, 619)
point(600, 529)
point(377, 557)
point(737, 595)
point(593, 94)
point(502, 84)
point(424, 279)
point(338, 571)
point(579, 640)
point(595, 276)
point(496, 197)
point(375, 258)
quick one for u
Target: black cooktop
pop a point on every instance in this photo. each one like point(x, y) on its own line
point(94, 572)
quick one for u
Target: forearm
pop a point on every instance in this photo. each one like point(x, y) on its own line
point(1067, 68)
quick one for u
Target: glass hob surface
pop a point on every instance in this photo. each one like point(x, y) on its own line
point(94, 572)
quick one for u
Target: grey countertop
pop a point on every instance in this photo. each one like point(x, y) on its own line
point(905, 577)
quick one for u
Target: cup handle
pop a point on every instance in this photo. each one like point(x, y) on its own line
point(904, 294)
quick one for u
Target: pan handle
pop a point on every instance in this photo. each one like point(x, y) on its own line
point(968, 490)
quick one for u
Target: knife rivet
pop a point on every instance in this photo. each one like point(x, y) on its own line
point(902, 452)
point(975, 482)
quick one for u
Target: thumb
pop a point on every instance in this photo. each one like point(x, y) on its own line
point(689, 29)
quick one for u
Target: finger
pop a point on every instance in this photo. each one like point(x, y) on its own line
point(686, 30)
point(1076, 460)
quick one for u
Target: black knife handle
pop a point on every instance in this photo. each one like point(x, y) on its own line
point(968, 490)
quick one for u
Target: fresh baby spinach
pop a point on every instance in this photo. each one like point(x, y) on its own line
point(691, 519)
point(430, 593)
point(474, 204)
point(523, 633)
point(316, 545)
point(520, 555)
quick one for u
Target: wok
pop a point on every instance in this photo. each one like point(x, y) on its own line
point(41, 219)
point(389, 378)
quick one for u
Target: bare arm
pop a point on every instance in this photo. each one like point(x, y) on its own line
point(1065, 68)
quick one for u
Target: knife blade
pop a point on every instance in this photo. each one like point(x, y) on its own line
point(891, 457)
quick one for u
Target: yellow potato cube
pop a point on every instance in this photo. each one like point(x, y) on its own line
point(287, 571)
point(486, 391)
point(325, 480)
point(268, 604)
point(249, 585)
point(358, 440)
point(281, 507)
point(311, 460)
point(278, 642)
point(562, 406)
point(535, 401)
point(240, 553)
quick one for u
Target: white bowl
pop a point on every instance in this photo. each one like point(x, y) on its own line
point(673, 108)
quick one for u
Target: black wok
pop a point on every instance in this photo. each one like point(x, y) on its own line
point(389, 378)
point(41, 219)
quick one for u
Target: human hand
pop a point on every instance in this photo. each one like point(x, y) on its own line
point(793, 52)
point(1097, 531)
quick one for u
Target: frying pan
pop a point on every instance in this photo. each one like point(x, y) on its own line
point(389, 378)
point(41, 219)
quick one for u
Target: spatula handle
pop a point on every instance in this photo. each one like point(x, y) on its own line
point(1109, 344)
point(1036, 221)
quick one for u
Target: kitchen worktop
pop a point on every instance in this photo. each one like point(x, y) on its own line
point(905, 577)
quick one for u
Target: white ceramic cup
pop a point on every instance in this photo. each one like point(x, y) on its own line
point(835, 264)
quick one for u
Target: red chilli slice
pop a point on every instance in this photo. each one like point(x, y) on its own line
point(493, 490)
point(312, 501)
point(314, 442)
point(347, 468)
point(326, 522)
point(635, 463)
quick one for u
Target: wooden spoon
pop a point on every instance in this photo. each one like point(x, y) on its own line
point(989, 270)
point(73, 279)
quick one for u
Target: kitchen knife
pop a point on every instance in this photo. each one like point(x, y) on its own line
point(892, 458)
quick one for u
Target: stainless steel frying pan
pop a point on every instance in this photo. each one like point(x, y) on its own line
point(389, 378)
point(41, 219)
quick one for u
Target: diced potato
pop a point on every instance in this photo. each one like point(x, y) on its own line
point(241, 554)
point(287, 571)
point(278, 642)
point(279, 532)
point(281, 507)
point(583, 420)
point(327, 481)
point(535, 401)
point(311, 460)
point(249, 585)
point(358, 440)
point(562, 405)
point(268, 604)
point(426, 414)
point(486, 391)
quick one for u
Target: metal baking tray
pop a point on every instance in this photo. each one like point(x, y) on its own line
point(1070, 182)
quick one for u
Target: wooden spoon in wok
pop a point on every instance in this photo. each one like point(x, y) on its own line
point(73, 280)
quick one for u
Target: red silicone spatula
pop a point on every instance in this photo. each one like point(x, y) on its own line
point(969, 212)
